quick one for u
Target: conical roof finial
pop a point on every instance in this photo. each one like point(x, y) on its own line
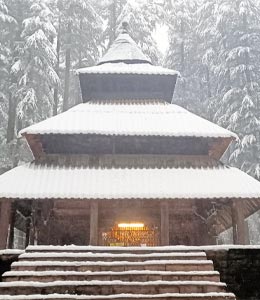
point(124, 49)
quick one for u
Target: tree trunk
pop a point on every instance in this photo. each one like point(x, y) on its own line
point(113, 23)
point(10, 135)
point(78, 99)
point(56, 90)
point(182, 48)
point(208, 82)
point(67, 71)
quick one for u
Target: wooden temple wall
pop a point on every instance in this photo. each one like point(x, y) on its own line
point(84, 222)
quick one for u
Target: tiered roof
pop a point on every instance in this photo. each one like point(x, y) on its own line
point(51, 181)
point(140, 118)
point(126, 68)
point(48, 179)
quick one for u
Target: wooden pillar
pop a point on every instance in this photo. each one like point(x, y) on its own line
point(238, 222)
point(234, 222)
point(12, 225)
point(93, 239)
point(164, 223)
point(27, 231)
point(5, 215)
point(247, 237)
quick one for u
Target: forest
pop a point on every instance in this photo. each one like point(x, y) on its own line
point(214, 44)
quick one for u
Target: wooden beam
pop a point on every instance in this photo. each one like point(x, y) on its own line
point(234, 223)
point(247, 237)
point(11, 225)
point(5, 216)
point(164, 223)
point(27, 231)
point(241, 232)
point(71, 212)
point(35, 144)
point(217, 147)
point(93, 239)
point(238, 222)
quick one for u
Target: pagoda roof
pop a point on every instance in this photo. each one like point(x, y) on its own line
point(47, 181)
point(129, 118)
point(125, 57)
point(124, 49)
point(125, 68)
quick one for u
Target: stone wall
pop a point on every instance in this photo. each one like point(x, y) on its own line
point(239, 269)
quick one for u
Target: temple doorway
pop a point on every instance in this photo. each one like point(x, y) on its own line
point(131, 234)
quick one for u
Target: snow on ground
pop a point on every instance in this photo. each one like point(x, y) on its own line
point(107, 273)
point(112, 255)
point(126, 296)
point(154, 249)
point(103, 282)
point(112, 263)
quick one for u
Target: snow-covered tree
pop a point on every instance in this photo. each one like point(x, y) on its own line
point(208, 49)
point(6, 23)
point(183, 53)
point(142, 17)
point(238, 75)
point(109, 10)
point(80, 32)
point(34, 66)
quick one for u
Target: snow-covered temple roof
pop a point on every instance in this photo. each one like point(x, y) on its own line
point(37, 181)
point(125, 68)
point(125, 57)
point(124, 48)
point(129, 118)
point(125, 72)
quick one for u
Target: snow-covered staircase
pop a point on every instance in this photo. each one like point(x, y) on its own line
point(70, 272)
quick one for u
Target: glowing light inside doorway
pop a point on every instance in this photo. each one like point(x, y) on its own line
point(130, 225)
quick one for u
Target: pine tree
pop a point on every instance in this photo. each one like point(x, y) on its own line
point(80, 30)
point(109, 10)
point(238, 76)
point(6, 25)
point(34, 67)
point(183, 53)
point(208, 49)
point(142, 17)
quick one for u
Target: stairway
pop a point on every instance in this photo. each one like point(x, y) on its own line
point(100, 273)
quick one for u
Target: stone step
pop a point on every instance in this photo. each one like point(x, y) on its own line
point(116, 266)
point(109, 287)
point(143, 276)
point(90, 256)
point(99, 249)
point(168, 296)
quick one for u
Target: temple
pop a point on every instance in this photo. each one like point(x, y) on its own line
point(126, 167)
